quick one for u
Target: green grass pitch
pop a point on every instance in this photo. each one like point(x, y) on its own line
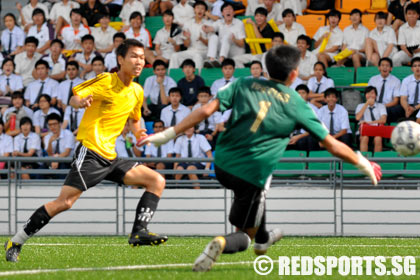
point(107, 257)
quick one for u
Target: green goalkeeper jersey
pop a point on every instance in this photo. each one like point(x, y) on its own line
point(264, 113)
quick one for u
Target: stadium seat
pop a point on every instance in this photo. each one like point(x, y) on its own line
point(320, 169)
point(342, 76)
point(177, 74)
point(318, 10)
point(344, 22)
point(147, 72)
point(363, 74)
point(153, 24)
point(297, 167)
point(345, 6)
point(401, 72)
point(378, 6)
point(311, 23)
point(387, 166)
point(368, 21)
point(242, 72)
point(209, 75)
point(413, 166)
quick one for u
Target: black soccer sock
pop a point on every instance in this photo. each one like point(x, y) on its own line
point(236, 242)
point(145, 210)
point(262, 235)
point(37, 221)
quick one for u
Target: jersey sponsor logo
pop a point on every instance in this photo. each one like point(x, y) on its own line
point(279, 95)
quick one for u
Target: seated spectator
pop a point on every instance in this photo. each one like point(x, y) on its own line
point(25, 61)
point(141, 34)
point(228, 68)
point(103, 35)
point(396, 14)
point(333, 36)
point(157, 7)
point(43, 85)
point(371, 113)
point(41, 30)
point(408, 37)
point(58, 142)
point(388, 89)
point(125, 144)
point(381, 42)
point(27, 144)
point(190, 83)
point(85, 57)
point(290, 28)
point(163, 151)
point(98, 65)
point(191, 145)
point(25, 13)
point(60, 13)
point(409, 90)
point(183, 12)
point(56, 60)
point(256, 70)
point(277, 40)
point(168, 39)
point(230, 38)
point(40, 116)
point(131, 6)
point(318, 84)
point(6, 144)
point(335, 117)
point(354, 39)
point(175, 112)
point(307, 58)
point(111, 58)
point(156, 88)
point(72, 119)
point(71, 34)
point(12, 37)
point(9, 82)
point(65, 88)
point(114, 7)
point(274, 10)
point(17, 112)
point(91, 12)
point(194, 39)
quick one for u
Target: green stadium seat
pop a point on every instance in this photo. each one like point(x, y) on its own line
point(363, 74)
point(292, 166)
point(242, 72)
point(153, 24)
point(401, 72)
point(342, 76)
point(323, 168)
point(147, 72)
point(245, 17)
point(413, 166)
point(389, 165)
point(177, 74)
point(210, 75)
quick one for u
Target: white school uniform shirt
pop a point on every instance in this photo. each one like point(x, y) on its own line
point(151, 150)
point(391, 89)
point(325, 83)
point(39, 117)
point(64, 89)
point(25, 65)
point(128, 8)
point(103, 39)
point(80, 57)
point(32, 90)
point(18, 38)
point(291, 35)
point(15, 82)
point(28, 112)
point(196, 29)
point(276, 11)
point(378, 111)
point(27, 11)
point(384, 38)
point(220, 83)
point(409, 36)
point(167, 114)
point(63, 10)
point(152, 88)
point(67, 141)
point(199, 146)
point(306, 64)
point(34, 142)
point(70, 35)
point(236, 27)
point(120, 145)
point(55, 67)
point(296, 82)
point(408, 88)
point(70, 115)
point(45, 34)
point(110, 60)
point(6, 144)
point(167, 48)
point(183, 13)
point(213, 120)
point(341, 118)
point(355, 38)
point(143, 37)
point(336, 38)
point(316, 111)
point(216, 8)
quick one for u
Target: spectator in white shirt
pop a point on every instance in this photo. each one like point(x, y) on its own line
point(175, 112)
point(131, 6)
point(290, 28)
point(85, 57)
point(72, 119)
point(318, 84)
point(111, 58)
point(25, 12)
point(125, 144)
point(60, 13)
point(40, 116)
point(307, 58)
point(25, 61)
point(163, 151)
point(103, 35)
point(12, 37)
point(6, 144)
point(381, 41)
point(71, 34)
point(41, 30)
point(371, 113)
point(56, 60)
point(183, 12)
point(228, 68)
point(410, 90)
point(9, 82)
point(65, 88)
point(98, 65)
point(141, 34)
point(17, 110)
point(256, 70)
point(274, 10)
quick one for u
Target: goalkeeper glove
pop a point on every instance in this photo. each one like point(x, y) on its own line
point(369, 168)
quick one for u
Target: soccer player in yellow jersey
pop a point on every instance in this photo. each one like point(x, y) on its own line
point(109, 99)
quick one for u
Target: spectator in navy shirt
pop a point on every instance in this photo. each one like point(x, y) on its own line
point(190, 83)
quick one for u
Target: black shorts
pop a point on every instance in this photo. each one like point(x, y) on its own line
point(88, 169)
point(185, 165)
point(248, 206)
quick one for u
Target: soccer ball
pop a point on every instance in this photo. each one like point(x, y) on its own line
point(405, 138)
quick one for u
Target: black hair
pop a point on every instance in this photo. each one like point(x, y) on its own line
point(175, 89)
point(188, 62)
point(42, 62)
point(87, 37)
point(412, 7)
point(322, 65)
point(356, 11)
point(281, 60)
point(331, 91)
point(381, 15)
point(302, 87)
point(98, 58)
point(38, 11)
point(256, 62)
point(202, 3)
point(25, 120)
point(10, 15)
point(17, 94)
point(57, 41)
point(288, 12)
point(76, 11)
point(262, 11)
point(159, 62)
point(278, 35)
point(204, 89)
point(123, 48)
point(119, 35)
point(46, 96)
point(7, 59)
point(334, 13)
point(102, 15)
point(54, 117)
point(31, 39)
point(158, 121)
point(228, 61)
point(136, 14)
point(385, 59)
point(1, 122)
point(226, 4)
point(370, 88)
point(168, 13)
point(72, 63)
point(414, 59)
point(305, 38)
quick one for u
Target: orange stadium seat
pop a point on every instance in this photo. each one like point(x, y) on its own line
point(315, 12)
point(311, 23)
point(378, 6)
point(344, 22)
point(368, 20)
point(345, 6)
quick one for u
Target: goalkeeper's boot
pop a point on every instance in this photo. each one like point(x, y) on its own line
point(213, 250)
point(274, 235)
point(145, 237)
point(12, 251)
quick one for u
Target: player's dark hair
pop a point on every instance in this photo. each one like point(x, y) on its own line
point(381, 15)
point(302, 87)
point(370, 88)
point(385, 59)
point(226, 4)
point(288, 12)
point(281, 60)
point(278, 35)
point(159, 62)
point(88, 37)
point(331, 91)
point(38, 11)
point(188, 62)
point(228, 61)
point(118, 35)
point(57, 41)
point(136, 14)
point(76, 11)
point(204, 89)
point(7, 59)
point(175, 90)
point(356, 11)
point(415, 59)
point(10, 15)
point(261, 11)
point(46, 96)
point(42, 62)
point(305, 38)
point(72, 63)
point(17, 94)
point(412, 7)
point(168, 13)
point(31, 39)
point(54, 117)
point(256, 62)
point(334, 13)
point(98, 58)
point(25, 120)
point(200, 2)
point(125, 46)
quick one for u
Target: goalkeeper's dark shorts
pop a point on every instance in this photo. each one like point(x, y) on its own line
point(248, 207)
point(89, 169)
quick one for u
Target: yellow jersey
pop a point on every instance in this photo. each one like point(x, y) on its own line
point(113, 103)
